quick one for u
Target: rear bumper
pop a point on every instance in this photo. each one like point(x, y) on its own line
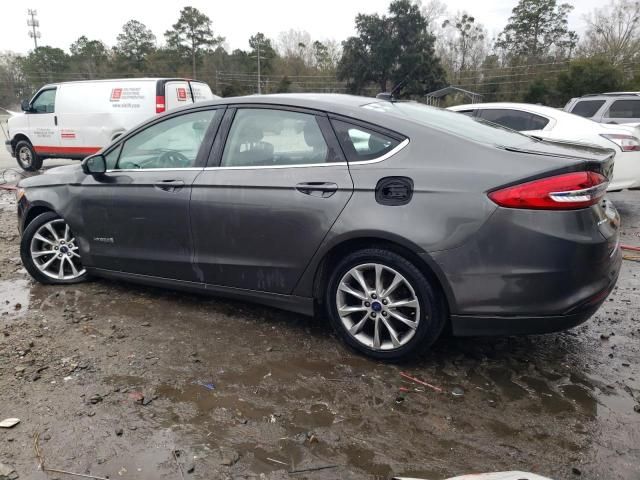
point(9, 147)
point(532, 271)
point(487, 325)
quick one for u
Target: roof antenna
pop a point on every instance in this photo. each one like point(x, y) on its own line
point(389, 96)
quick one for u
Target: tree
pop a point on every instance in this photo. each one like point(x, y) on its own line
point(45, 64)
point(88, 55)
point(588, 76)
point(468, 47)
point(614, 32)
point(134, 43)
point(192, 35)
point(536, 29)
point(261, 45)
point(396, 49)
point(284, 86)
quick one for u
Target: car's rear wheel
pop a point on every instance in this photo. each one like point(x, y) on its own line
point(383, 306)
point(27, 157)
point(49, 251)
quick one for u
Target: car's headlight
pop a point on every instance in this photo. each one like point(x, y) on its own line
point(19, 193)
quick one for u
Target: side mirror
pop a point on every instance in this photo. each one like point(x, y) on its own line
point(94, 165)
point(26, 107)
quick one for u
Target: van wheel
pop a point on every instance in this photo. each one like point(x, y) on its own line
point(27, 157)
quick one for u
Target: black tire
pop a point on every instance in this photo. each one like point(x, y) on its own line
point(27, 157)
point(29, 262)
point(433, 313)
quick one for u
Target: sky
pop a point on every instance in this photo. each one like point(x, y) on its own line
point(63, 21)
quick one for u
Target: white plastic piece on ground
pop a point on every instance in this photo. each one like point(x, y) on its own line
point(9, 422)
point(491, 476)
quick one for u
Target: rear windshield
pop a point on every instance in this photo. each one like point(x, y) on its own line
point(587, 108)
point(451, 122)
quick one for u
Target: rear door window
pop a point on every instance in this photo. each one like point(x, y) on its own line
point(587, 108)
point(514, 119)
point(624, 109)
point(360, 143)
point(261, 137)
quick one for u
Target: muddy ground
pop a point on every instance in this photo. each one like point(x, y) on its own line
point(128, 382)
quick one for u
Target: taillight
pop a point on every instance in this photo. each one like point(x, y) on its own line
point(569, 191)
point(627, 143)
point(160, 105)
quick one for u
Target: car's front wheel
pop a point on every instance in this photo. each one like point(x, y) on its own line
point(383, 306)
point(49, 251)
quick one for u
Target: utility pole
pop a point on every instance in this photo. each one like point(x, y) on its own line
point(34, 24)
point(259, 85)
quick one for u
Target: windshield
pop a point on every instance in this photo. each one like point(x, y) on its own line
point(454, 123)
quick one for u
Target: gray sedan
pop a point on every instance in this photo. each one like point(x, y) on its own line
point(394, 220)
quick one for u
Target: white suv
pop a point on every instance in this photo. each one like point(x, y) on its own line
point(615, 107)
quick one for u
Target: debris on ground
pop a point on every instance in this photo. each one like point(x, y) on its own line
point(7, 472)
point(408, 377)
point(9, 422)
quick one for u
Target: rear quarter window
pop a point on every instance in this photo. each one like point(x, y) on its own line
point(587, 108)
point(361, 143)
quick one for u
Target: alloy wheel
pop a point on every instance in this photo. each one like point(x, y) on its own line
point(54, 251)
point(378, 306)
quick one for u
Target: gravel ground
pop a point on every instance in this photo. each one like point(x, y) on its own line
point(128, 382)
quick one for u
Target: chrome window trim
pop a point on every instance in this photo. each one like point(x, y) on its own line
point(262, 167)
point(384, 157)
point(153, 169)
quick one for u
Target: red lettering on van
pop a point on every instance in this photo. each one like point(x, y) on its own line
point(182, 94)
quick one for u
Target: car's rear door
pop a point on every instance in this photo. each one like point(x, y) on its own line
point(275, 183)
point(136, 216)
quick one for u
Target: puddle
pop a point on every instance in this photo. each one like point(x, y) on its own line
point(14, 296)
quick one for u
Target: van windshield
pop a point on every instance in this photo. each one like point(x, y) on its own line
point(452, 122)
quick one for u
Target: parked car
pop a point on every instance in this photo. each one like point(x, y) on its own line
point(437, 221)
point(615, 107)
point(76, 119)
point(555, 125)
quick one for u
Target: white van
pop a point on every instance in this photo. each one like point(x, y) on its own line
point(76, 119)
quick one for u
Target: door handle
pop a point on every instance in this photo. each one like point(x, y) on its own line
point(55, 120)
point(169, 185)
point(317, 189)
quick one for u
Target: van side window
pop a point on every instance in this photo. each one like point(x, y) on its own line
point(360, 143)
point(171, 143)
point(45, 102)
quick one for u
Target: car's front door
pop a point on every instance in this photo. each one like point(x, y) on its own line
point(136, 216)
point(44, 132)
point(276, 187)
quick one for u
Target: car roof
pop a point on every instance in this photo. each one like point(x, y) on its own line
point(611, 94)
point(319, 101)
